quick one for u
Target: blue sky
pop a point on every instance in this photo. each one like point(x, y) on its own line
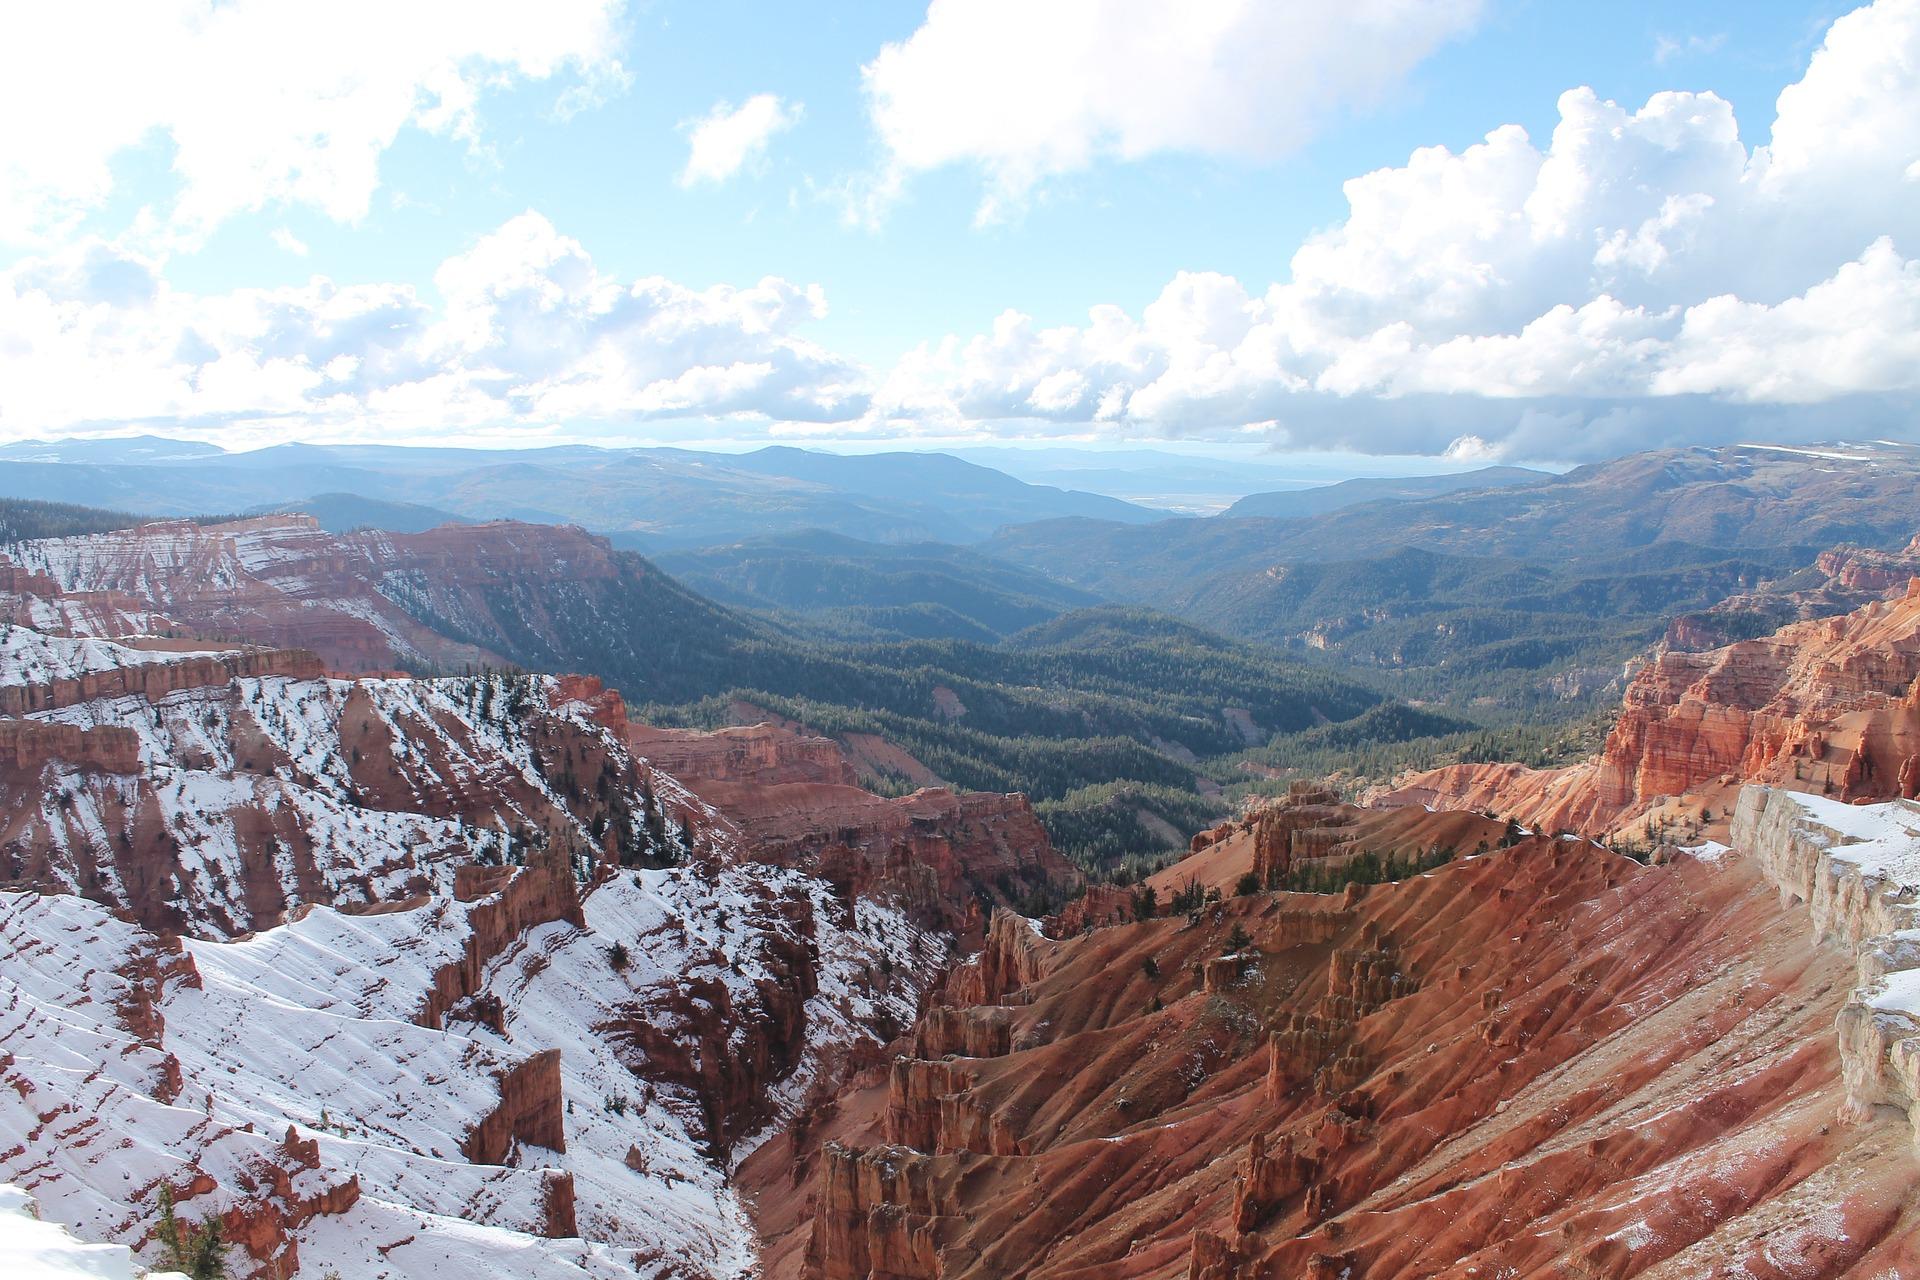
point(607, 175)
point(590, 139)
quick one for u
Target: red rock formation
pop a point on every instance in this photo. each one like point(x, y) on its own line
point(155, 680)
point(531, 1110)
point(31, 745)
point(1311, 825)
point(1840, 581)
point(725, 1055)
point(936, 852)
point(1012, 957)
point(878, 1217)
point(1542, 1060)
point(285, 582)
point(513, 901)
point(969, 1032)
point(762, 754)
point(280, 1195)
point(1830, 705)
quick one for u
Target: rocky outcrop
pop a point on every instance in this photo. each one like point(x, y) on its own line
point(1543, 1059)
point(36, 600)
point(938, 853)
point(1840, 581)
point(966, 1032)
point(724, 1047)
point(153, 681)
point(1013, 956)
point(365, 602)
point(762, 754)
point(531, 1111)
point(282, 1191)
point(1830, 706)
point(31, 745)
point(511, 901)
point(1311, 827)
point(880, 1213)
point(1856, 872)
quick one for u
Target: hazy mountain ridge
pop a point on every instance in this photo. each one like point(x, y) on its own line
point(650, 498)
point(1320, 499)
point(1563, 578)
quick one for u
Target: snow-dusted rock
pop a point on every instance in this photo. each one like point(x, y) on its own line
point(1857, 869)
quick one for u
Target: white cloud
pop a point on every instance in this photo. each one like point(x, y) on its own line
point(1030, 91)
point(290, 242)
point(1643, 270)
point(728, 138)
point(1646, 276)
point(260, 102)
point(530, 335)
point(1667, 48)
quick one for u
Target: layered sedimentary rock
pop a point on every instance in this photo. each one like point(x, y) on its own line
point(943, 854)
point(1856, 871)
point(1839, 581)
point(365, 602)
point(1544, 1059)
point(219, 793)
point(765, 754)
point(37, 601)
point(1311, 826)
point(1830, 706)
point(408, 976)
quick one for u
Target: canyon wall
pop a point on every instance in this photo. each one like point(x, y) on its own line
point(1829, 706)
point(1540, 1059)
point(1855, 870)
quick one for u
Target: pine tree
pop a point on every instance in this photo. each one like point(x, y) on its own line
point(200, 1251)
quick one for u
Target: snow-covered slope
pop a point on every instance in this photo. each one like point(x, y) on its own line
point(32, 1249)
point(404, 978)
point(256, 795)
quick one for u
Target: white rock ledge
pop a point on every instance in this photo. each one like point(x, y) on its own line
point(1857, 870)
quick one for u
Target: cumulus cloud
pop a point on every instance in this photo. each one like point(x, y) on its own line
point(1645, 269)
point(528, 333)
point(728, 138)
point(260, 102)
point(1031, 91)
point(1644, 276)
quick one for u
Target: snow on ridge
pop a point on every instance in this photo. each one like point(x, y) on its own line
point(1871, 456)
point(29, 657)
point(1857, 869)
point(311, 1026)
point(388, 1100)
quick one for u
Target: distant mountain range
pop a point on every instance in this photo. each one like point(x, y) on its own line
point(921, 590)
point(1495, 589)
point(1534, 588)
point(1320, 499)
point(648, 499)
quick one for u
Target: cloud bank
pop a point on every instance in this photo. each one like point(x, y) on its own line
point(1643, 272)
point(527, 332)
point(1029, 92)
point(1645, 276)
point(260, 102)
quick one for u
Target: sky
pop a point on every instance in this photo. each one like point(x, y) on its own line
point(1467, 230)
